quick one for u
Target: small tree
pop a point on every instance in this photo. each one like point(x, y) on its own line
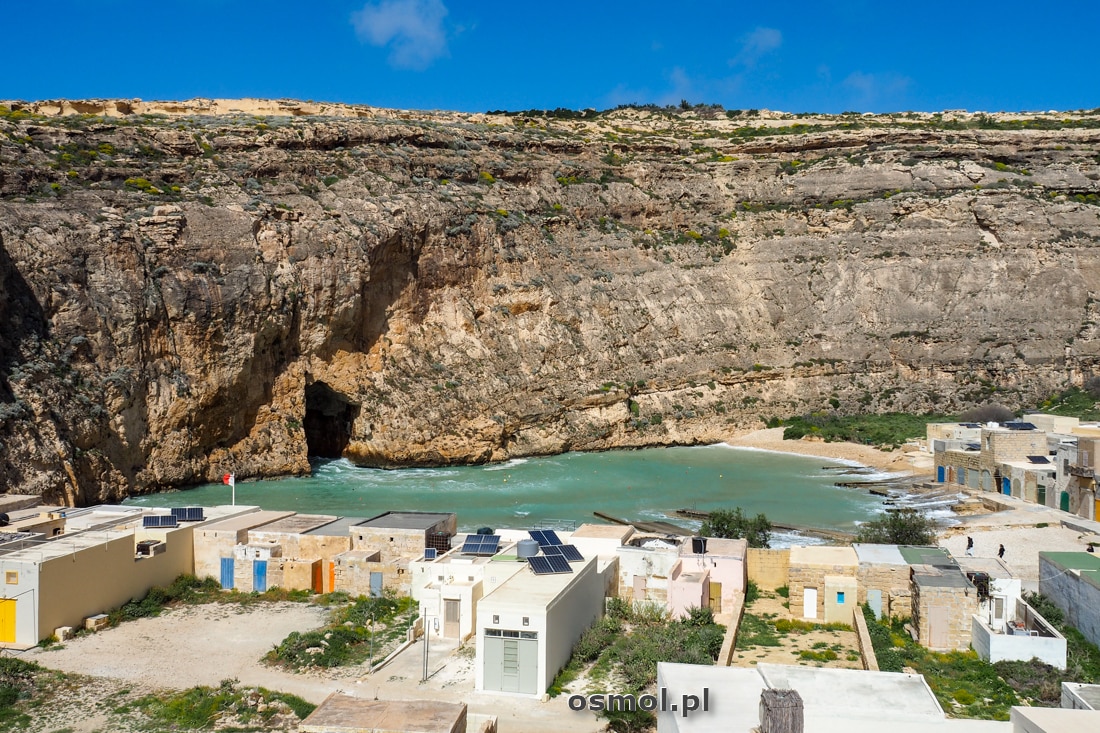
point(901, 527)
point(727, 524)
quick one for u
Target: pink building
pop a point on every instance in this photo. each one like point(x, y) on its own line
point(709, 574)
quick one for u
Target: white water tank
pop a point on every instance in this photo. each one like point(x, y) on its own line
point(526, 549)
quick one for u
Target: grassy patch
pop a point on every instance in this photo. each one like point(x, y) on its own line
point(348, 636)
point(227, 706)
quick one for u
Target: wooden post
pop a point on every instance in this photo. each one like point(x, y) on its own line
point(781, 711)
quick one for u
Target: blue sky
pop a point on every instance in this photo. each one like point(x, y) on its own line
point(480, 55)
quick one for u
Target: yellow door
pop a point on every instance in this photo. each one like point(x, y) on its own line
point(7, 619)
point(716, 597)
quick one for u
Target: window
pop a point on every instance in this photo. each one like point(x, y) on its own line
point(511, 634)
point(526, 621)
point(11, 577)
point(528, 634)
point(496, 619)
point(840, 596)
point(492, 632)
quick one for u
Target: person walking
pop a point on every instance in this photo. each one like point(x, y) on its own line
point(970, 546)
point(1001, 552)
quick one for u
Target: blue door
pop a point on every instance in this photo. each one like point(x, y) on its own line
point(376, 585)
point(227, 573)
point(259, 575)
point(1006, 486)
point(939, 474)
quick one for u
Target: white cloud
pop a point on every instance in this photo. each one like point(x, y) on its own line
point(755, 45)
point(412, 29)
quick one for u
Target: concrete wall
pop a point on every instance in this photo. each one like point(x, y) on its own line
point(767, 568)
point(567, 617)
point(840, 598)
point(1077, 595)
point(993, 647)
point(687, 590)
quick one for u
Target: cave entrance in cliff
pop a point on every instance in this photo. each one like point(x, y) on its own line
point(328, 422)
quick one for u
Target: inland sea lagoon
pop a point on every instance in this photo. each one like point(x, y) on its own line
point(562, 490)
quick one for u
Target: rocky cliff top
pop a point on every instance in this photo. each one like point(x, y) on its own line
point(196, 287)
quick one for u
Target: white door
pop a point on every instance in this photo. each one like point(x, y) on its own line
point(809, 603)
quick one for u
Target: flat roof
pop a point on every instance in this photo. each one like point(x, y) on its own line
point(992, 566)
point(823, 555)
point(340, 713)
point(929, 576)
point(834, 700)
point(879, 554)
point(926, 555)
point(341, 527)
point(298, 523)
point(525, 590)
point(1089, 693)
point(406, 520)
point(248, 520)
point(1061, 720)
point(620, 532)
point(1073, 560)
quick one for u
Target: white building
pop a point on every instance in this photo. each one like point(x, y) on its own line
point(527, 627)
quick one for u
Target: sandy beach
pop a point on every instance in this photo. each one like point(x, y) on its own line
point(911, 461)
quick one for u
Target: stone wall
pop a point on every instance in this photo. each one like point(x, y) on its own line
point(893, 581)
point(800, 577)
point(960, 605)
point(768, 568)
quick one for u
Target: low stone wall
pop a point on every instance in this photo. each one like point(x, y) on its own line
point(729, 642)
point(866, 649)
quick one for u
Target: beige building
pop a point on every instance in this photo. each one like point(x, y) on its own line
point(384, 547)
point(215, 543)
point(822, 582)
point(341, 713)
point(944, 603)
point(104, 559)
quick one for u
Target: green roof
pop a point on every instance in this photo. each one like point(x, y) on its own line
point(1073, 560)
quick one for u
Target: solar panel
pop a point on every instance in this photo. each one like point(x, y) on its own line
point(545, 537)
point(559, 564)
point(481, 544)
point(159, 520)
point(188, 513)
point(552, 550)
point(571, 553)
point(430, 553)
point(549, 565)
point(1038, 459)
point(540, 565)
point(1019, 426)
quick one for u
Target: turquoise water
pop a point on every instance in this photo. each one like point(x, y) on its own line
point(639, 484)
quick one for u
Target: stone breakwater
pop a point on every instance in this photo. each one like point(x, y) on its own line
point(188, 289)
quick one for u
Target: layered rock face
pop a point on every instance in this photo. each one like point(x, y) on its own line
point(204, 287)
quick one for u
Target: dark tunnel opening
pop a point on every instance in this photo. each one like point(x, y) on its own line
point(328, 422)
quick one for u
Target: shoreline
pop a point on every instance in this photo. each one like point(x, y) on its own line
point(908, 464)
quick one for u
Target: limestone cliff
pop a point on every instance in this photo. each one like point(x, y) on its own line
point(191, 288)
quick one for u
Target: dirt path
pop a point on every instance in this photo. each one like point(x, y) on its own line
point(203, 645)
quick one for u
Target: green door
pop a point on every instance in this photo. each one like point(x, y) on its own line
point(1064, 504)
point(511, 665)
point(1042, 495)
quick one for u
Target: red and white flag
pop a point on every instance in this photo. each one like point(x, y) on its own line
point(229, 479)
